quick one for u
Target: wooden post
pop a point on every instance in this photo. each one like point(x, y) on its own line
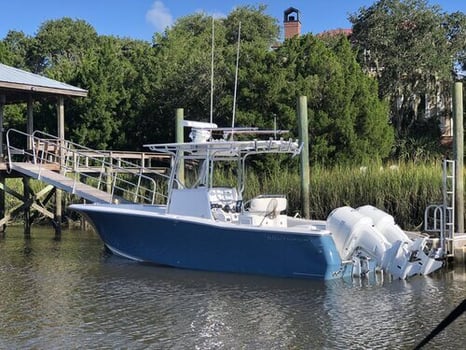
point(2, 115)
point(459, 238)
point(30, 121)
point(2, 202)
point(304, 157)
point(180, 139)
point(108, 179)
point(27, 207)
point(61, 136)
point(2, 178)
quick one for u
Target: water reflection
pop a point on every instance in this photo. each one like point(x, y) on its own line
point(70, 294)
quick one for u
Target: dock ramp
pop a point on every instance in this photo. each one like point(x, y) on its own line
point(63, 182)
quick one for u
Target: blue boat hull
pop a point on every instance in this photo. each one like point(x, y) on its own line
point(185, 243)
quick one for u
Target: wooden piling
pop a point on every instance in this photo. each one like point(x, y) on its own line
point(304, 138)
point(61, 136)
point(180, 139)
point(27, 207)
point(2, 115)
point(2, 203)
point(2, 178)
point(459, 238)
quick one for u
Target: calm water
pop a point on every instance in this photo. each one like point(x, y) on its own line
point(70, 294)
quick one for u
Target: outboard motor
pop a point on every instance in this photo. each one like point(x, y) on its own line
point(369, 233)
point(406, 257)
point(352, 231)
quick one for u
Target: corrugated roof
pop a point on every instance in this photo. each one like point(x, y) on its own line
point(17, 79)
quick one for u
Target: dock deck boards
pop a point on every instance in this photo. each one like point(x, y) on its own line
point(37, 171)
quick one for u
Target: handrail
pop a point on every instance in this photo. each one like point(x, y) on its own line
point(113, 174)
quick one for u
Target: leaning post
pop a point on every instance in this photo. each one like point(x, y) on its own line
point(304, 156)
point(180, 139)
point(459, 238)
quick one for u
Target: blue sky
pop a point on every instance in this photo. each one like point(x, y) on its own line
point(139, 19)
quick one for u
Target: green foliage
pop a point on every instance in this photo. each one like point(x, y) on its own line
point(15, 48)
point(134, 87)
point(184, 53)
point(347, 122)
point(418, 149)
point(59, 46)
point(412, 48)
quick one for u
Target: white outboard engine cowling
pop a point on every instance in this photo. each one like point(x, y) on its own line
point(352, 231)
point(369, 233)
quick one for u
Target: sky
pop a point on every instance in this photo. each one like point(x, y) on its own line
point(140, 19)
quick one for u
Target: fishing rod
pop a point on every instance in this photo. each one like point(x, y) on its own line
point(442, 325)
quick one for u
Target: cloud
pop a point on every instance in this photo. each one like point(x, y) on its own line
point(159, 16)
point(215, 14)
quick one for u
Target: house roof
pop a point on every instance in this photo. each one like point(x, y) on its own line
point(17, 84)
point(335, 32)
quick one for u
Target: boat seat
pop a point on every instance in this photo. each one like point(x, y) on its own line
point(270, 205)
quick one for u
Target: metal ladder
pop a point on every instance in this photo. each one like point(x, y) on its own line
point(440, 218)
point(448, 181)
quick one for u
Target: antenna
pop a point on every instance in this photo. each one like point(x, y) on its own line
point(236, 80)
point(212, 73)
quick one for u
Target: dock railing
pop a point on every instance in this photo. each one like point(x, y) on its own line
point(132, 181)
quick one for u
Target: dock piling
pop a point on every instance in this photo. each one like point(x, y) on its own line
point(304, 137)
point(459, 238)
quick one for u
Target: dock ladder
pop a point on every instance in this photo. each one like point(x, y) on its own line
point(440, 218)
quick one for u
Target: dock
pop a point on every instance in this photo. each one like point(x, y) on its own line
point(93, 175)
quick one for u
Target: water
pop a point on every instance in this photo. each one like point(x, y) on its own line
point(72, 295)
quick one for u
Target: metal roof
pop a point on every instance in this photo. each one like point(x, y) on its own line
point(14, 83)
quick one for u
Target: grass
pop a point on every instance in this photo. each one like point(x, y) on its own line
point(402, 190)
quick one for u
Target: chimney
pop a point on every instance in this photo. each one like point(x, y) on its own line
point(291, 23)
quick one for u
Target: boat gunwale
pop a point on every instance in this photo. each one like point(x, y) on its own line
point(304, 229)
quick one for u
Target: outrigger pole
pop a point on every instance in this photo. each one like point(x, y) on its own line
point(236, 81)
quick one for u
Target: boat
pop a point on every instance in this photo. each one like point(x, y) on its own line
point(203, 226)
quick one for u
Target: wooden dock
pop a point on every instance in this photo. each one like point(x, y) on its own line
point(95, 176)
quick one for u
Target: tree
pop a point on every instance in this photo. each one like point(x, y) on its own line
point(183, 57)
point(347, 121)
point(134, 87)
point(61, 42)
point(114, 74)
point(15, 49)
point(411, 47)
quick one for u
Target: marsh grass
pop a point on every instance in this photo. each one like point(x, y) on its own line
point(403, 190)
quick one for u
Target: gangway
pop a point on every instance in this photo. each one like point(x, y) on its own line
point(63, 182)
point(94, 175)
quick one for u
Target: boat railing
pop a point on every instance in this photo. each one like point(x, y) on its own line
point(133, 181)
point(221, 149)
